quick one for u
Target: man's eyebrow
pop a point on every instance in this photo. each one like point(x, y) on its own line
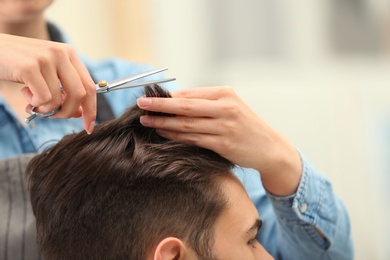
point(255, 227)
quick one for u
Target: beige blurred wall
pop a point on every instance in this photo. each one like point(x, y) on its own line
point(330, 106)
point(103, 28)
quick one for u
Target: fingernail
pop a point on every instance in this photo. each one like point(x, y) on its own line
point(144, 102)
point(91, 127)
point(145, 120)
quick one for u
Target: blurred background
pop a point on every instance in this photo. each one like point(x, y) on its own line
point(317, 70)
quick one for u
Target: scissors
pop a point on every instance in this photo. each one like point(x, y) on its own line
point(104, 86)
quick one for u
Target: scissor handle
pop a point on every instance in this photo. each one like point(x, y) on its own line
point(41, 115)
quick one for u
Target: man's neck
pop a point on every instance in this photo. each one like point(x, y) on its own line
point(33, 28)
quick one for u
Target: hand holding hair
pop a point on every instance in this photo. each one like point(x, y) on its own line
point(43, 67)
point(217, 119)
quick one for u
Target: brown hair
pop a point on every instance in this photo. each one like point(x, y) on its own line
point(116, 193)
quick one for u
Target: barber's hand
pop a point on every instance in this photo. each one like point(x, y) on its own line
point(41, 66)
point(217, 119)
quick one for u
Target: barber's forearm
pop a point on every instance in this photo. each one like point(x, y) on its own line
point(282, 173)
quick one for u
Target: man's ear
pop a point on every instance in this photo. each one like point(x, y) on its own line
point(170, 248)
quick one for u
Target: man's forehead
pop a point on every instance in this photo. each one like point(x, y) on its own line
point(234, 191)
point(239, 207)
point(238, 222)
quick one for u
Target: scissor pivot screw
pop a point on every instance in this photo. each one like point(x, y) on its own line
point(102, 83)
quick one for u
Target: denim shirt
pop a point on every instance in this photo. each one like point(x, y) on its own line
point(289, 223)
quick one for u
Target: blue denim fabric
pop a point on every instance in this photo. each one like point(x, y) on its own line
point(289, 225)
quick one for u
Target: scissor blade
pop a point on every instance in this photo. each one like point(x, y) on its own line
point(118, 82)
point(141, 83)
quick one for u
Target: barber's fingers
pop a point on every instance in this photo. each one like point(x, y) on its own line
point(79, 90)
point(79, 97)
point(37, 91)
point(210, 93)
point(74, 91)
point(199, 102)
point(26, 92)
point(62, 68)
point(179, 106)
point(185, 124)
point(88, 104)
point(224, 145)
point(44, 72)
point(42, 66)
point(54, 87)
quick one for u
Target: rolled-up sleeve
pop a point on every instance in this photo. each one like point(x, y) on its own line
point(310, 224)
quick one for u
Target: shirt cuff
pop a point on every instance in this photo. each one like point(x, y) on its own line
point(312, 207)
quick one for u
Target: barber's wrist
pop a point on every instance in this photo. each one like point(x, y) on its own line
point(282, 175)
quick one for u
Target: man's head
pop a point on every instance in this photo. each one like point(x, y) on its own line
point(22, 11)
point(124, 192)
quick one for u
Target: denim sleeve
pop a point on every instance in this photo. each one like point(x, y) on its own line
point(290, 223)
